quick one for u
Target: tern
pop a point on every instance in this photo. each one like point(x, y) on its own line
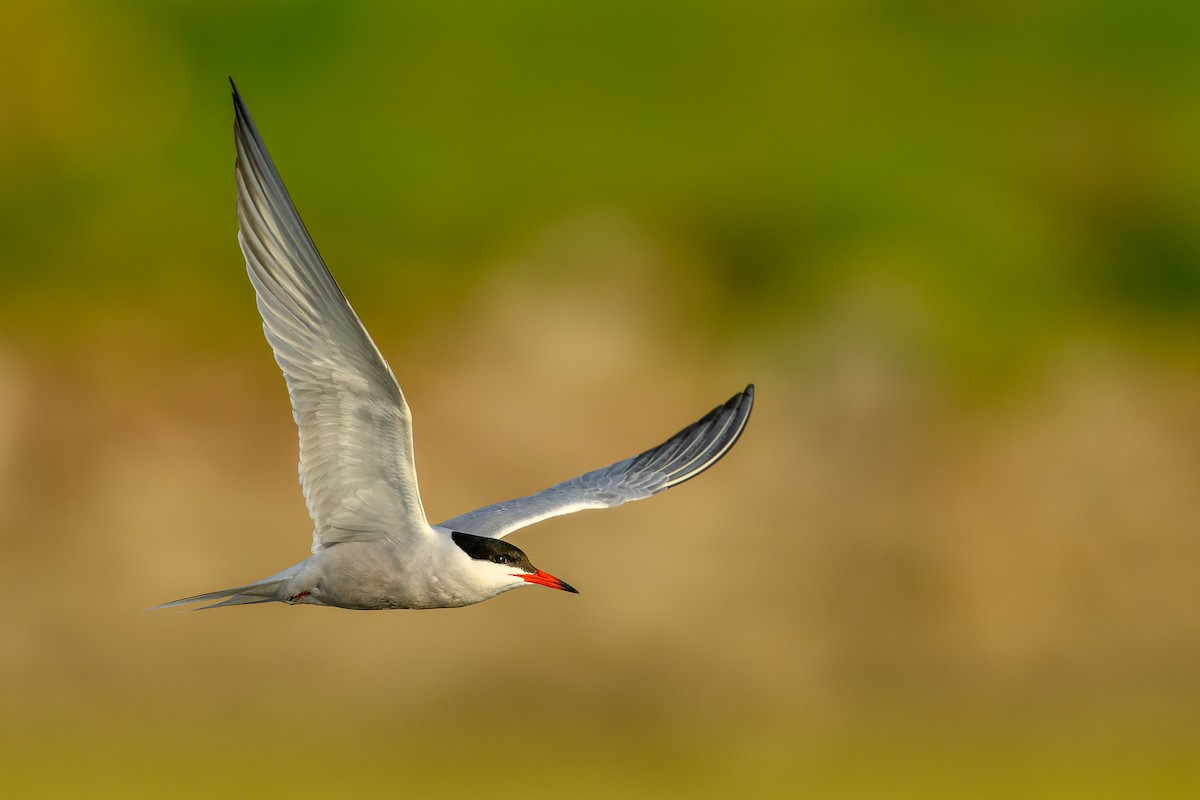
point(372, 546)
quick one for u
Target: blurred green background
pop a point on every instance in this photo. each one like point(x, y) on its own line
point(956, 245)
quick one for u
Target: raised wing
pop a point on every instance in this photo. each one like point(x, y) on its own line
point(682, 457)
point(356, 452)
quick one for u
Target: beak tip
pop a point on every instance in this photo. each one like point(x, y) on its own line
point(545, 579)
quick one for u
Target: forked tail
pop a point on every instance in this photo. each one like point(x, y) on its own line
point(265, 591)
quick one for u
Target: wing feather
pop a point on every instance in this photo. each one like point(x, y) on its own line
point(681, 458)
point(356, 450)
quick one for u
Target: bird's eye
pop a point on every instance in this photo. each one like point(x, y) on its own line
point(500, 558)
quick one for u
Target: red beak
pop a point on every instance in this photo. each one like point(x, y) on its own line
point(545, 579)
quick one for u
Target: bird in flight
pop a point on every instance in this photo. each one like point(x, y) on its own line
point(372, 546)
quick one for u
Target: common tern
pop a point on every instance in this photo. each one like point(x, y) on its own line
point(372, 546)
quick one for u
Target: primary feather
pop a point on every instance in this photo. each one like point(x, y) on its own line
point(682, 457)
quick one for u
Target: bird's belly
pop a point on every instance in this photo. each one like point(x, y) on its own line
point(373, 580)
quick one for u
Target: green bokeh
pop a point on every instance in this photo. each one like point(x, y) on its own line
point(1021, 171)
point(873, 208)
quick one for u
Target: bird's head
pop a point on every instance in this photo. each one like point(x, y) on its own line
point(500, 565)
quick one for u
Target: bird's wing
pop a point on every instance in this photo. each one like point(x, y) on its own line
point(356, 450)
point(682, 457)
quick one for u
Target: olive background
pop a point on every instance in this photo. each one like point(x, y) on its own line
point(956, 246)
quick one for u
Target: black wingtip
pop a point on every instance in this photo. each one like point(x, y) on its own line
point(743, 403)
point(243, 123)
point(745, 395)
point(238, 103)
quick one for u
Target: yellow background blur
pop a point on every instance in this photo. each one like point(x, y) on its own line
point(956, 245)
